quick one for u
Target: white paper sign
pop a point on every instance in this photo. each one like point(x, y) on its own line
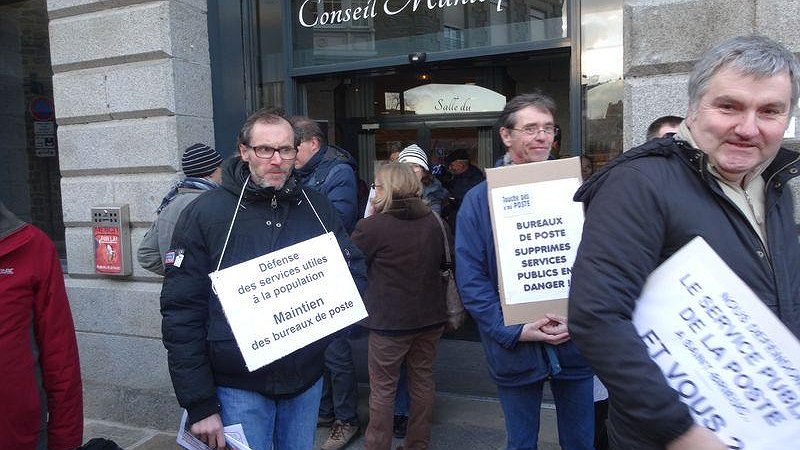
point(370, 208)
point(538, 230)
point(733, 362)
point(287, 299)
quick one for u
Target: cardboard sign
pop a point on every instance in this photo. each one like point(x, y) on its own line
point(287, 299)
point(537, 228)
point(732, 361)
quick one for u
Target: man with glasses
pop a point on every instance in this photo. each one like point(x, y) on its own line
point(330, 170)
point(276, 404)
point(522, 357)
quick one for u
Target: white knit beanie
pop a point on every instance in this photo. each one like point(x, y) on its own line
point(414, 154)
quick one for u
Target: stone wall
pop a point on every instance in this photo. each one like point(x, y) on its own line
point(132, 88)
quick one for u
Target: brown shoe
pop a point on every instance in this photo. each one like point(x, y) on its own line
point(341, 434)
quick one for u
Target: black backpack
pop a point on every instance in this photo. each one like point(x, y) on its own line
point(100, 444)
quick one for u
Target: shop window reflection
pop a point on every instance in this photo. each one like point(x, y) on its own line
point(601, 79)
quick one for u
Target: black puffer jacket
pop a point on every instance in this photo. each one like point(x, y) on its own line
point(641, 209)
point(201, 349)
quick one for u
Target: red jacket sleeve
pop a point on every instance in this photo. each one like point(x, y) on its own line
point(58, 352)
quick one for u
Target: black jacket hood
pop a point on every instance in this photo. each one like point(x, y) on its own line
point(327, 156)
point(657, 147)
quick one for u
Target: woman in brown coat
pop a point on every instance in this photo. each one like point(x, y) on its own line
point(404, 247)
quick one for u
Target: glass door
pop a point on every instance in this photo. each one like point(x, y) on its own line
point(436, 138)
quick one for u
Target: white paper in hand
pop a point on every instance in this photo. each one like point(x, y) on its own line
point(234, 437)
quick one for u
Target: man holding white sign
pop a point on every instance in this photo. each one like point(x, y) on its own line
point(517, 356)
point(722, 177)
point(260, 209)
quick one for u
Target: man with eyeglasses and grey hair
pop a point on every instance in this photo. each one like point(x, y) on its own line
point(723, 176)
point(522, 357)
point(276, 404)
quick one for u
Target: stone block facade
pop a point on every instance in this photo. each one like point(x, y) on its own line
point(132, 87)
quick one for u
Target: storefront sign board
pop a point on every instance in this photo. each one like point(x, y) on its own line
point(537, 229)
point(452, 99)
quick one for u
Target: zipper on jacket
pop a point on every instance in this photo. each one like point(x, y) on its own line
point(347, 256)
point(274, 202)
point(762, 253)
point(759, 220)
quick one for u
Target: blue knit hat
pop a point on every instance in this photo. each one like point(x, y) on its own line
point(200, 160)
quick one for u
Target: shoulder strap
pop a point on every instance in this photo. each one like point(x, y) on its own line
point(447, 258)
point(314, 209)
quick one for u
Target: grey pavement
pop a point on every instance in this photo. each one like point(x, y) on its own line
point(460, 422)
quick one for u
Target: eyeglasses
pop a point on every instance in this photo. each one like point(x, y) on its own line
point(263, 151)
point(549, 130)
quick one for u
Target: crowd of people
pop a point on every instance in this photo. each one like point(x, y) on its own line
point(703, 175)
point(719, 174)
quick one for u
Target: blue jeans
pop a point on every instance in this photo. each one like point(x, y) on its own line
point(402, 399)
point(574, 411)
point(273, 424)
point(340, 390)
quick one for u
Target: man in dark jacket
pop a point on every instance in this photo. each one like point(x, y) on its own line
point(522, 357)
point(327, 168)
point(40, 384)
point(722, 176)
point(330, 170)
point(461, 177)
point(276, 404)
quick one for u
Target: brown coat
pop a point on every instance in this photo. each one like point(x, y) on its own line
point(405, 251)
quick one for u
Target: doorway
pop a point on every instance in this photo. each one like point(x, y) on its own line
point(440, 107)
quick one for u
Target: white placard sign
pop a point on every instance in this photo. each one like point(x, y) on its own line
point(287, 299)
point(732, 361)
point(538, 229)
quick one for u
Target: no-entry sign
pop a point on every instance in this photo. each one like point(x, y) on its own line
point(42, 108)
